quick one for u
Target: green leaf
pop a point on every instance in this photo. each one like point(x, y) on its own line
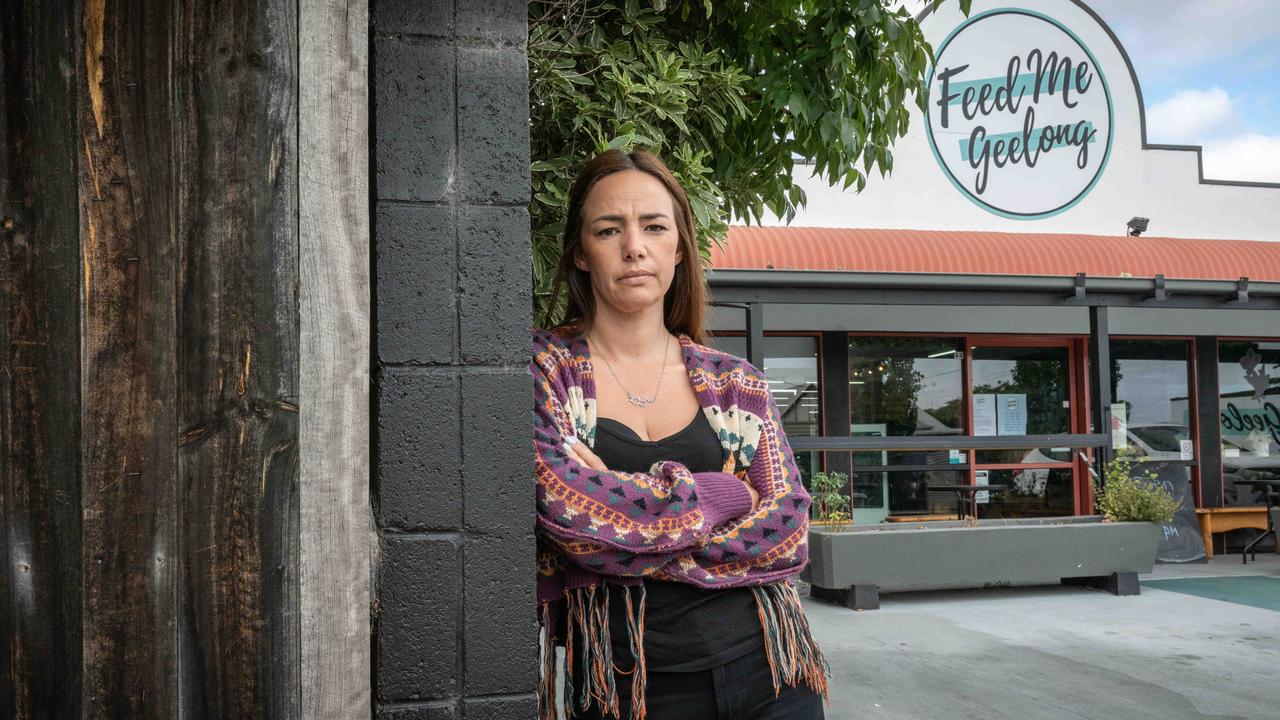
point(619, 142)
point(798, 105)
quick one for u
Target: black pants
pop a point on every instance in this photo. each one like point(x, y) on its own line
point(741, 689)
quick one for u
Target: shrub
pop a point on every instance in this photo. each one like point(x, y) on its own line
point(1140, 498)
point(830, 504)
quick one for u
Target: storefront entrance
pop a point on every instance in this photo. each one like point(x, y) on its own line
point(949, 391)
point(1026, 387)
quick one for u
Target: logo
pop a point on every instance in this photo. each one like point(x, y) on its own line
point(1020, 116)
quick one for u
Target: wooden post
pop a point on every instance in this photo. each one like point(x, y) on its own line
point(129, 477)
point(40, 279)
point(335, 521)
point(236, 150)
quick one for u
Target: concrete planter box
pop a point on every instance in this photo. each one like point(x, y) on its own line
point(854, 565)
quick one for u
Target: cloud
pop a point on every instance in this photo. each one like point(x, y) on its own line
point(1251, 156)
point(1190, 116)
point(1207, 118)
point(1174, 36)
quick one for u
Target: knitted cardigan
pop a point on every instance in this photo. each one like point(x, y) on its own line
point(668, 524)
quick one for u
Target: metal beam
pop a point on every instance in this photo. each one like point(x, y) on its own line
point(1210, 421)
point(951, 442)
point(1100, 376)
point(835, 395)
point(755, 335)
point(865, 288)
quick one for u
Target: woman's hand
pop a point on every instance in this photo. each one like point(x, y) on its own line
point(583, 454)
point(755, 496)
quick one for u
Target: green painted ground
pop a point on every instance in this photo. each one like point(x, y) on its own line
point(1258, 591)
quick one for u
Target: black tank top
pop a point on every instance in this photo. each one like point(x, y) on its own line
point(686, 628)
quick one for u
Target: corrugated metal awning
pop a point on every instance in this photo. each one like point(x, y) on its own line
point(995, 253)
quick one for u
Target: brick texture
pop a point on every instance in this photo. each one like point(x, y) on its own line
point(456, 634)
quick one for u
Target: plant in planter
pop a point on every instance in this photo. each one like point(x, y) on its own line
point(1129, 496)
point(830, 505)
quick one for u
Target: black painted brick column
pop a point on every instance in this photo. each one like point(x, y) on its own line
point(456, 635)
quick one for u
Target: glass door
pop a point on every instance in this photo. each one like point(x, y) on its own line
point(1019, 388)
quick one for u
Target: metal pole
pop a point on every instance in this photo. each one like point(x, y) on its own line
point(755, 334)
point(1100, 376)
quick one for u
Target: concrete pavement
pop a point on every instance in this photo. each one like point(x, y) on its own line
point(1056, 652)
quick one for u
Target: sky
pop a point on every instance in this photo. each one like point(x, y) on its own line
point(1210, 76)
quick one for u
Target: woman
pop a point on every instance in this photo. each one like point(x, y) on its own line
point(667, 546)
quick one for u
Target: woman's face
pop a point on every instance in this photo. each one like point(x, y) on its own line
point(630, 244)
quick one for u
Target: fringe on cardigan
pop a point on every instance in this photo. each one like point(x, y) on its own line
point(794, 657)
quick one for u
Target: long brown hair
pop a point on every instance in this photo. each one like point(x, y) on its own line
point(685, 304)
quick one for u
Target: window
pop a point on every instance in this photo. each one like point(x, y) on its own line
point(1249, 410)
point(791, 367)
point(1028, 390)
point(908, 491)
point(1034, 492)
point(906, 385)
point(1149, 378)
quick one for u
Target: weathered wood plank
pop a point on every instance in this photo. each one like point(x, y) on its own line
point(235, 110)
point(125, 180)
point(336, 525)
point(40, 601)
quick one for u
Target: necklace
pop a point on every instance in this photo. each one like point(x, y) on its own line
point(632, 398)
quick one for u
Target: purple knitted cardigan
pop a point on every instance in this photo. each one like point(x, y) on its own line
point(668, 524)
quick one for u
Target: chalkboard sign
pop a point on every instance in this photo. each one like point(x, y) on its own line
point(1180, 539)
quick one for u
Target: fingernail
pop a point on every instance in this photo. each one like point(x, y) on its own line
point(570, 440)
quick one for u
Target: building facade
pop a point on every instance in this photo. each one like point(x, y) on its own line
point(1034, 289)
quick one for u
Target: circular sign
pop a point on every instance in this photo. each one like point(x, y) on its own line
point(1020, 116)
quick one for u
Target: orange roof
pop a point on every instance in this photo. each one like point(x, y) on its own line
point(995, 253)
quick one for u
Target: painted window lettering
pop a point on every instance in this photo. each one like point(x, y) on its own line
point(1265, 420)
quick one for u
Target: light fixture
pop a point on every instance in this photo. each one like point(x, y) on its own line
point(943, 353)
point(1136, 226)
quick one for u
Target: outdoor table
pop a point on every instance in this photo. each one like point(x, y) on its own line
point(960, 491)
point(1272, 497)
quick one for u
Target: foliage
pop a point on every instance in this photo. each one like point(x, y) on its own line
point(1127, 496)
point(900, 385)
point(728, 94)
point(830, 504)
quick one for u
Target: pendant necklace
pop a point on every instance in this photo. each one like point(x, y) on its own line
point(632, 398)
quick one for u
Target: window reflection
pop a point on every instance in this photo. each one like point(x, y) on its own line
point(791, 366)
point(1034, 492)
point(906, 491)
point(1029, 456)
point(1149, 378)
point(1029, 388)
point(906, 386)
point(1249, 407)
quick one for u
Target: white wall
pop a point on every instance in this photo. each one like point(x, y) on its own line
point(1159, 184)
